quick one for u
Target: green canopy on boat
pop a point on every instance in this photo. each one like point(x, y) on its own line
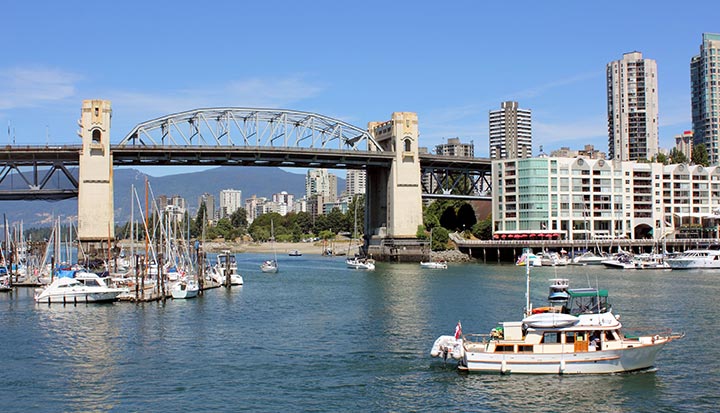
point(588, 293)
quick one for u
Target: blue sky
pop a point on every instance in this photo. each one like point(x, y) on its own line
point(450, 62)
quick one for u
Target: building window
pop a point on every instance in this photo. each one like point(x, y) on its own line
point(96, 135)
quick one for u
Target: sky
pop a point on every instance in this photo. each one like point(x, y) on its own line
point(450, 62)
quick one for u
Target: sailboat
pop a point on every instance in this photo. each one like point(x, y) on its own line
point(357, 261)
point(436, 265)
point(271, 266)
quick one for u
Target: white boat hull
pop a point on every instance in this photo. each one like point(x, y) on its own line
point(434, 265)
point(590, 362)
point(268, 269)
point(79, 297)
point(362, 266)
point(689, 264)
point(188, 291)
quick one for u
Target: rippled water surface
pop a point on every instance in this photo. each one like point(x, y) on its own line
point(320, 337)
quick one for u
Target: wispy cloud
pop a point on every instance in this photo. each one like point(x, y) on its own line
point(541, 89)
point(29, 87)
point(252, 92)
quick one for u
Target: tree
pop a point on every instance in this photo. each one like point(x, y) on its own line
point(238, 219)
point(662, 158)
point(677, 156)
point(483, 229)
point(200, 219)
point(304, 220)
point(700, 155)
point(440, 238)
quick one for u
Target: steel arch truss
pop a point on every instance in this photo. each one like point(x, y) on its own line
point(453, 182)
point(251, 127)
point(39, 180)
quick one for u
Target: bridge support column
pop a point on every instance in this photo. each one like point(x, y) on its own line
point(394, 196)
point(96, 219)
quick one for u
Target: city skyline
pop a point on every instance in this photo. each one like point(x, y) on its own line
point(450, 65)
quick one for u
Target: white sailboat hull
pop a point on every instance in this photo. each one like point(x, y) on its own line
point(180, 291)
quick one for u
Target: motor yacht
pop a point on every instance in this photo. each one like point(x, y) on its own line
point(82, 287)
point(576, 334)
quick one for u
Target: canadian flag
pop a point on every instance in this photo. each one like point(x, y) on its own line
point(458, 330)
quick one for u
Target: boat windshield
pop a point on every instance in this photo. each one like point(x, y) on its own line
point(587, 301)
point(224, 258)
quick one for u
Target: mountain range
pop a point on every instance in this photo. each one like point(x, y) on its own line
point(260, 181)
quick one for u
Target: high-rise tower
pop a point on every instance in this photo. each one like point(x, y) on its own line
point(704, 70)
point(510, 132)
point(632, 107)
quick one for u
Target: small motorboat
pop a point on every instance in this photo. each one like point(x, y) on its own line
point(295, 253)
point(360, 263)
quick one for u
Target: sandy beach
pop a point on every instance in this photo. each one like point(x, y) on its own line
point(281, 248)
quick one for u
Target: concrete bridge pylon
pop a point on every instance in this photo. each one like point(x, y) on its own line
point(394, 195)
point(96, 219)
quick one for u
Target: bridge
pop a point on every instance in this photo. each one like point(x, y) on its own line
point(388, 151)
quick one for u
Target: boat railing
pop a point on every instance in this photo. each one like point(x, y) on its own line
point(477, 338)
point(637, 332)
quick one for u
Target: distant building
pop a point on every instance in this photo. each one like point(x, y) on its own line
point(355, 182)
point(320, 182)
point(588, 152)
point(175, 205)
point(510, 132)
point(230, 201)
point(684, 143)
point(209, 201)
point(585, 199)
point(252, 206)
point(705, 96)
point(329, 206)
point(632, 104)
point(300, 205)
point(454, 147)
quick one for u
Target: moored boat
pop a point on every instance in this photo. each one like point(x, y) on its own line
point(227, 266)
point(589, 258)
point(83, 287)
point(695, 259)
point(185, 289)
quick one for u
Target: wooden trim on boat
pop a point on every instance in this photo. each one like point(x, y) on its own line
point(558, 361)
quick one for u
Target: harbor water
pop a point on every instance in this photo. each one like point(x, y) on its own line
point(321, 337)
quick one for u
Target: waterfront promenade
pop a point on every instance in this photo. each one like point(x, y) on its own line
point(508, 250)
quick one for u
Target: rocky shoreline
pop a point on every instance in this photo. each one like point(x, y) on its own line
point(451, 256)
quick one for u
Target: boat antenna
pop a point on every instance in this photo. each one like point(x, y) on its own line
point(528, 310)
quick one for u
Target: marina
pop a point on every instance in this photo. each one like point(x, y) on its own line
point(352, 340)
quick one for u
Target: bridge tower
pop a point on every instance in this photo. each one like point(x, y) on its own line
point(96, 219)
point(394, 195)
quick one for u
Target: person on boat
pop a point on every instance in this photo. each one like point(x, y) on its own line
point(595, 340)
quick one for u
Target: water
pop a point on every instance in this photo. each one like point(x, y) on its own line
point(320, 337)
